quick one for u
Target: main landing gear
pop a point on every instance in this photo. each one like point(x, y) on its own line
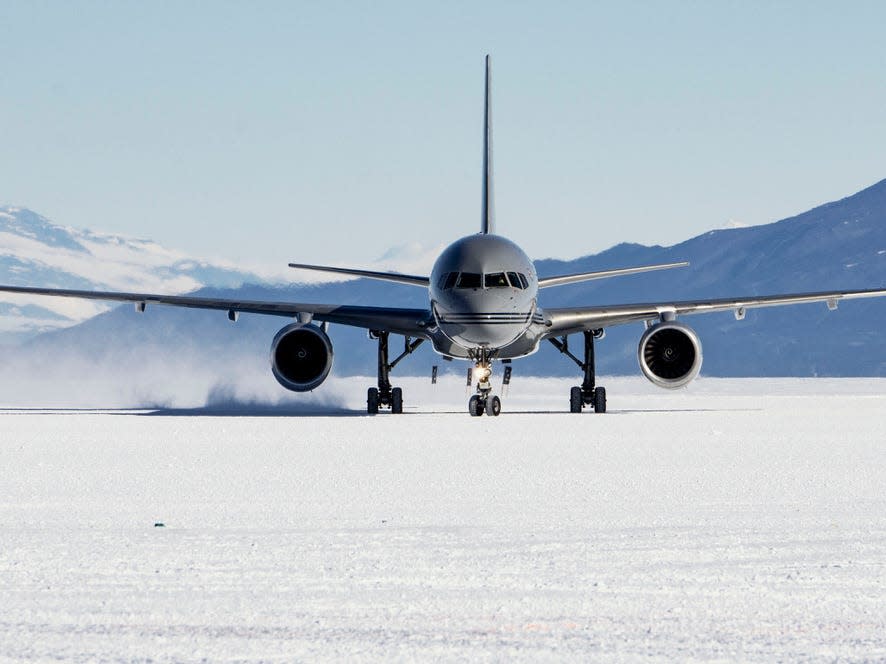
point(588, 394)
point(385, 396)
point(484, 401)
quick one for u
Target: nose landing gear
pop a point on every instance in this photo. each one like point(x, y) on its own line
point(484, 401)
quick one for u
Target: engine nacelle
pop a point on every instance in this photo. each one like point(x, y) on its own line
point(670, 354)
point(301, 357)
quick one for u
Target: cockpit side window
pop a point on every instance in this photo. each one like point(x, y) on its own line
point(469, 280)
point(523, 280)
point(515, 280)
point(495, 280)
point(449, 280)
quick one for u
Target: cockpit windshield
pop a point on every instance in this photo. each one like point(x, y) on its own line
point(489, 280)
point(469, 280)
point(518, 280)
point(495, 280)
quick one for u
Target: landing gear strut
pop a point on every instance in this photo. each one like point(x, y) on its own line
point(588, 394)
point(484, 401)
point(385, 396)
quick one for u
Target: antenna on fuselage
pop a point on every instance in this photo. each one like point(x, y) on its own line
point(487, 219)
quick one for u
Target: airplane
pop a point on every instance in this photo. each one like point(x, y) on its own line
point(483, 294)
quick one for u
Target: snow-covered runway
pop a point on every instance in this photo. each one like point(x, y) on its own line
point(739, 519)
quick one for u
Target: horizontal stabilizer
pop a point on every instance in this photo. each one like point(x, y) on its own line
point(547, 282)
point(395, 277)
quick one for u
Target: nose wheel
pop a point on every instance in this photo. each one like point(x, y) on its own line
point(476, 407)
point(493, 406)
point(490, 405)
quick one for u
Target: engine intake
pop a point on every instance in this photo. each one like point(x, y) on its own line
point(301, 357)
point(670, 354)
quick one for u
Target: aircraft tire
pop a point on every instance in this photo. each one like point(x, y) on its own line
point(600, 400)
point(396, 400)
point(493, 406)
point(372, 401)
point(575, 398)
point(475, 406)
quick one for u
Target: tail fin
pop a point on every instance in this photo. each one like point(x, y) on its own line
point(487, 219)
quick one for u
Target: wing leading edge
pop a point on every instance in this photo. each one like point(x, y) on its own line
point(410, 322)
point(576, 319)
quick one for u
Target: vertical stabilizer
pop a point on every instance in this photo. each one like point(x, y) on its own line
point(487, 220)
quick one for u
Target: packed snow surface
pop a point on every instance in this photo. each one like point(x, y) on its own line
point(735, 520)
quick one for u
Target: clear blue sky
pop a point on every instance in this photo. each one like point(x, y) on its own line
point(331, 131)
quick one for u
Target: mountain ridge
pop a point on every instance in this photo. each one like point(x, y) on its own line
point(34, 250)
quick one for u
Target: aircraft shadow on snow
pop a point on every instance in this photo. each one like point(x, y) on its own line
point(248, 409)
point(232, 409)
point(235, 409)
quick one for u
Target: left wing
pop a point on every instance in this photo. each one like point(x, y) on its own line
point(576, 319)
point(409, 322)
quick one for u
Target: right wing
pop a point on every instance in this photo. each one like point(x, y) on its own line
point(409, 322)
point(576, 319)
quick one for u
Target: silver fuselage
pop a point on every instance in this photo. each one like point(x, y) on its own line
point(490, 303)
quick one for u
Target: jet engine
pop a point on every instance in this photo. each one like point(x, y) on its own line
point(301, 357)
point(670, 354)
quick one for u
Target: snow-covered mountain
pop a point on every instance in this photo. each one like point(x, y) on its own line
point(36, 251)
point(33, 250)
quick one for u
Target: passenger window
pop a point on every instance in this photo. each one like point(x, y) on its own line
point(523, 280)
point(469, 280)
point(496, 280)
point(514, 279)
point(450, 280)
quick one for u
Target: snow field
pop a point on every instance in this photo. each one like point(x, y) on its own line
point(737, 520)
